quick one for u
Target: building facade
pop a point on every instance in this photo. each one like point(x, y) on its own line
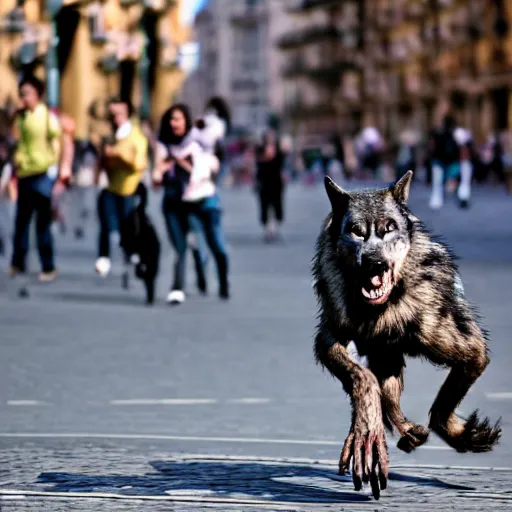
point(88, 51)
point(239, 60)
point(398, 64)
point(322, 76)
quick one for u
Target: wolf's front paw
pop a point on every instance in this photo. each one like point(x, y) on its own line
point(415, 436)
point(369, 454)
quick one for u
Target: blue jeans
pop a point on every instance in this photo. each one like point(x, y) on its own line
point(34, 195)
point(450, 171)
point(178, 224)
point(208, 219)
point(112, 210)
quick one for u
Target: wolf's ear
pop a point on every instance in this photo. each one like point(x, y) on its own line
point(337, 196)
point(402, 187)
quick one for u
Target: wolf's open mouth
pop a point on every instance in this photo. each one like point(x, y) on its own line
point(379, 288)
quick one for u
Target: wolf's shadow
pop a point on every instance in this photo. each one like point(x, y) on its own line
point(272, 482)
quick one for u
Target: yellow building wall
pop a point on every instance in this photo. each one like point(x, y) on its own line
point(8, 82)
point(83, 82)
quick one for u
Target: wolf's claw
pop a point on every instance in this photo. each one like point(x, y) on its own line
point(369, 454)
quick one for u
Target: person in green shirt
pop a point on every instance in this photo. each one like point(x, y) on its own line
point(38, 133)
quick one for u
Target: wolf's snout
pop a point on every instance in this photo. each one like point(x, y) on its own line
point(376, 279)
point(372, 266)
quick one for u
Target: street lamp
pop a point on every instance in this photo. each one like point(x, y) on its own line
point(144, 80)
point(52, 60)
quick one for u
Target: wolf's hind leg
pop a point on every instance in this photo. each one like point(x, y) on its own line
point(468, 358)
point(392, 386)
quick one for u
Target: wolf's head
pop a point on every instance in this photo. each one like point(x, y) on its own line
point(371, 231)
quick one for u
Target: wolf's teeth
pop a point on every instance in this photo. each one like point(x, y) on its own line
point(373, 294)
point(366, 294)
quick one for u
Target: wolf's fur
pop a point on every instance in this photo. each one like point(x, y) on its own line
point(425, 315)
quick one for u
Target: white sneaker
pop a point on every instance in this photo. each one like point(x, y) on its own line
point(176, 297)
point(103, 266)
point(436, 201)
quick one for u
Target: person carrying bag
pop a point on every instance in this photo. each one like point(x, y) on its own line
point(36, 159)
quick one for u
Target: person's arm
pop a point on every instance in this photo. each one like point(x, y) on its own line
point(183, 156)
point(131, 155)
point(55, 133)
point(68, 148)
point(19, 157)
point(162, 164)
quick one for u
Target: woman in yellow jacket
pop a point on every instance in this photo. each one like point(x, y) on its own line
point(124, 162)
point(37, 132)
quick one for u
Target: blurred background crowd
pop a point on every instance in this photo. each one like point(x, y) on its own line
point(362, 83)
point(354, 89)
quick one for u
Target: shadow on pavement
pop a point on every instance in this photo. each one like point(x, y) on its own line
point(273, 482)
point(101, 298)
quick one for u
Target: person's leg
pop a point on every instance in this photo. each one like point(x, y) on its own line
point(264, 210)
point(199, 252)
point(278, 207)
point(24, 210)
point(464, 190)
point(5, 226)
point(175, 222)
point(212, 225)
point(44, 218)
point(437, 197)
point(77, 208)
point(108, 223)
point(125, 205)
point(452, 177)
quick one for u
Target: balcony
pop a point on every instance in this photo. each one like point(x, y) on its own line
point(306, 6)
point(328, 76)
point(300, 110)
point(308, 36)
point(415, 11)
point(13, 22)
point(245, 84)
point(248, 13)
point(296, 67)
point(33, 47)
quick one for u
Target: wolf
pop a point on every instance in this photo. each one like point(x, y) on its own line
point(383, 282)
point(140, 241)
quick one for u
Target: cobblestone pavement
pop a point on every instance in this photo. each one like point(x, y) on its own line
point(216, 406)
point(194, 482)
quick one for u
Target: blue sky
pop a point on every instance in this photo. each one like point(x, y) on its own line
point(189, 51)
point(190, 9)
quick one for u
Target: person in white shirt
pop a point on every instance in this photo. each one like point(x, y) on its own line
point(190, 198)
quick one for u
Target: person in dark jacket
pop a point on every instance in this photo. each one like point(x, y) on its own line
point(270, 184)
point(445, 161)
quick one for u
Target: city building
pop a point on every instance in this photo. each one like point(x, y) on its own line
point(90, 50)
point(397, 64)
point(322, 76)
point(239, 60)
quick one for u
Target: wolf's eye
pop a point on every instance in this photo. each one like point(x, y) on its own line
point(356, 231)
point(390, 226)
